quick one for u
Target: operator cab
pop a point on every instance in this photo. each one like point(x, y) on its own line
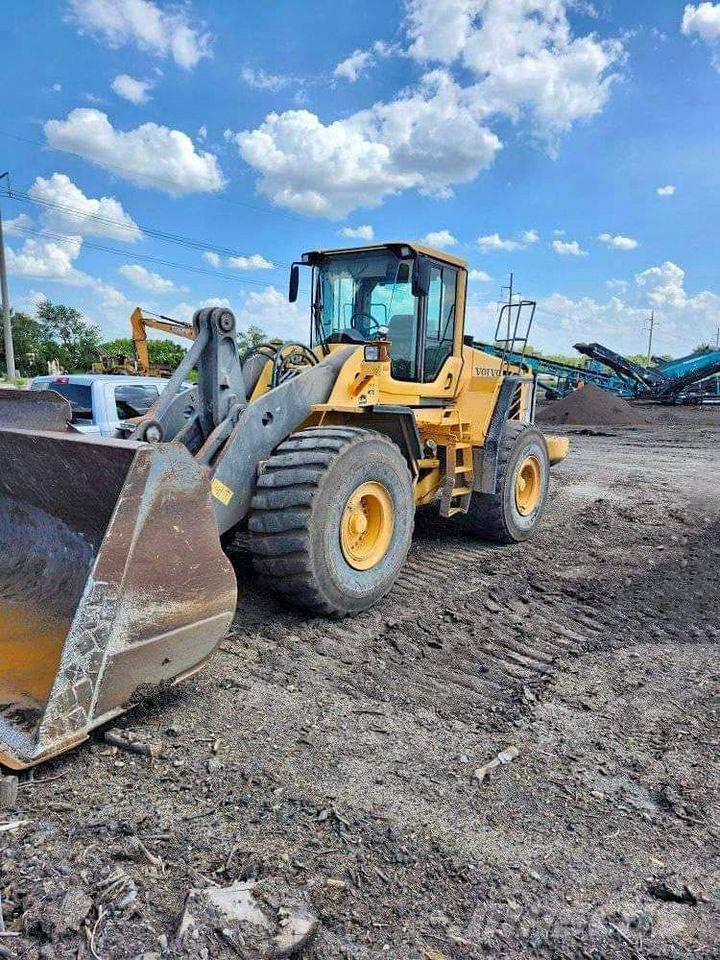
point(397, 292)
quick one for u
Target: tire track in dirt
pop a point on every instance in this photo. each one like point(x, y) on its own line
point(462, 629)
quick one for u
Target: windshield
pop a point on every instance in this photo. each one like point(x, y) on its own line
point(359, 296)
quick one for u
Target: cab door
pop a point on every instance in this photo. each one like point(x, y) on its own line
point(440, 364)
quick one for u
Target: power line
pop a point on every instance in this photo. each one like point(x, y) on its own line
point(188, 242)
point(125, 254)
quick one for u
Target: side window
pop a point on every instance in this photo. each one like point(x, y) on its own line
point(440, 327)
point(134, 400)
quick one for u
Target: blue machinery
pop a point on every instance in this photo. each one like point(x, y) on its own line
point(694, 378)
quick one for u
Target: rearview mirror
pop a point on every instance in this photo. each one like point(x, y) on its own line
point(421, 277)
point(294, 283)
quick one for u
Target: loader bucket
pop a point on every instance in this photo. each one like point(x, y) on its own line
point(112, 581)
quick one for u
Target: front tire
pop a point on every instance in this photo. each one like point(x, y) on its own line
point(513, 512)
point(332, 519)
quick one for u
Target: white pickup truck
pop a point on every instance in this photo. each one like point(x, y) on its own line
point(100, 401)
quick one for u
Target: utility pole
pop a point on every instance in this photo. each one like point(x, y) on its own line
point(651, 321)
point(10, 371)
point(717, 339)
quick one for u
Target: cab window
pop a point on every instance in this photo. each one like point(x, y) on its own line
point(440, 324)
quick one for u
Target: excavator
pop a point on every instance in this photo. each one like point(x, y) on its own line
point(113, 577)
point(139, 364)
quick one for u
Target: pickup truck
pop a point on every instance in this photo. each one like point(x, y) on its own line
point(101, 402)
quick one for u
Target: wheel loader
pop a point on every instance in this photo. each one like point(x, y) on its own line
point(113, 577)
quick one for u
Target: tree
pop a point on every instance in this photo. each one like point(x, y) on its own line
point(162, 352)
point(247, 339)
point(75, 341)
point(32, 346)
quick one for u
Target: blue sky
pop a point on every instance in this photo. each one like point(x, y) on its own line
point(526, 135)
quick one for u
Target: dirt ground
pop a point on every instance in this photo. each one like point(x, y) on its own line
point(336, 759)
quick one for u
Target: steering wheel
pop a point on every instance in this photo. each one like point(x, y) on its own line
point(289, 356)
point(369, 326)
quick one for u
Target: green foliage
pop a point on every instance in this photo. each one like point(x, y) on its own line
point(703, 347)
point(59, 332)
point(574, 361)
point(73, 341)
point(163, 352)
point(32, 348)
point(246, 339)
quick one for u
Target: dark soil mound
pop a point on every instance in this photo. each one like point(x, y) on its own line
point(590, 405)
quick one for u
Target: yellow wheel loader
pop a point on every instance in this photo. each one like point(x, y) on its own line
point(112, 574)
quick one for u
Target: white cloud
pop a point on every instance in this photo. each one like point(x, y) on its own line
point(493, 241)
point(103, 217)
point(270, 310)
point(664, 284)
point(440, 239)
point(522, 60)
point(57, 87)
point(51, 259)
point(568, 248)
point(146, 279)
point(202, 134)
point(136, 91)
point(666, 191)
point(702, 20)
point(522, 54)
point(620, 285)
point(212, 258)
point(260, 80)
point(186, 311)
point(364, 232)
point(17, 225)
point(360, 62)
point(253, 262)
point(109, 295)
point(149, 156)
point(163, 32)
point(354, 66)
point(618, 242)
point(684, 318)
point(480, 276)
point(558, 233)
point(427, 139)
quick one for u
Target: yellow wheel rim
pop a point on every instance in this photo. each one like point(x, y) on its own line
point(528, 486)
point(367, 525)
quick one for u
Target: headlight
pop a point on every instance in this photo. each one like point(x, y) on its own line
point(372, 352)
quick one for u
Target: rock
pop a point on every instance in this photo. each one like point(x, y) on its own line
point(672, 889)
point(60, 915)
point(256, 923)
point(8, 791)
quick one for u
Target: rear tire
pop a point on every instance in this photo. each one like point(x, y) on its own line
point(299, 519)
point(513, 513)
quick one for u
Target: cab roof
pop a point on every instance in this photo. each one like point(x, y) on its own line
point(433, 252)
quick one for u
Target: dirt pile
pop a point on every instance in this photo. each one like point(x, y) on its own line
point(592, 406)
